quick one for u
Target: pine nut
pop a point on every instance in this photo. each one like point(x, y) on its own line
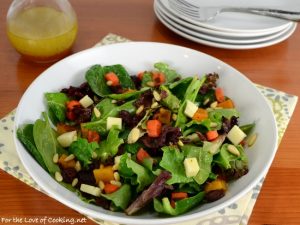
point(97, 112)
point(109, 83)
point(101, 185)
point(174, 117)
point(117, 183)
point(251, 139)
point(114, 101)
point(139, 110)
point(115, 167)
point(180, 143)
point(206, 101)
point(150, 83)
point(154, 105)
point(213, 125)
point(58, 176)
point(134, 135)
point(117, 176)
point(233, 150)
point(69, 158)
point(55, 158)
point(94, 155)
point(74, 182)
point(77, 166)
point(156, 96)
point(214, 104)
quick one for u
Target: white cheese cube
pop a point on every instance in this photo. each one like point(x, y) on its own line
point(113, 122)
point(191, 167)
point(95, 191)
point(236, 135)
point(190, 109)
point(86, 101)
point(66, 139)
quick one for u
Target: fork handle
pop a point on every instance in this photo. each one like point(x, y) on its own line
point(283, 14)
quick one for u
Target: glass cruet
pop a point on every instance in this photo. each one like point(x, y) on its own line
point(42, 30)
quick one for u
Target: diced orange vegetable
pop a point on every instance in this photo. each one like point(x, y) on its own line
point(153, 128)
point(63, 128)
point(164, 116)
point(105, 174)
point(141, 155)
point(158, 78)
point(173, 203)
point(211, 135)
point(217, 184)
point(111, 76)
point(93, 136)
point(227, 104)
point(179, 195)
point(200, 114)
point(66, 164)
point(71, 104)
point(219, 93)
point(110, 188)
point(84, 131)
point(140, 75)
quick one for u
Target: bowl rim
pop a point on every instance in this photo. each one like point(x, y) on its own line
point(133, 220)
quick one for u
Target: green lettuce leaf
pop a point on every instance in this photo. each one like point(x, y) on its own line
point(121, 197)
point(56, 103)
point(217, 114)
point(109, 147)
point(135, 172)
point(172, 161)
point(178, 88)
point(190, 94)
point(131, 94)
point(83, 150)
point(181, 206)
point(204, 159)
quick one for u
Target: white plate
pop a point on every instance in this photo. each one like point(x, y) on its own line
point(137, 56)
point(215, 38)
point(216, 33)
point(241, 22)
point(182, 32)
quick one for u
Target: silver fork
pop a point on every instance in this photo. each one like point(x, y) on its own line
point(204, 14)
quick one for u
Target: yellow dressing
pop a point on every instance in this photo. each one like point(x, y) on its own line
point(42, 33)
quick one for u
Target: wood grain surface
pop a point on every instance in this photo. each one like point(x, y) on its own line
point(277, 66)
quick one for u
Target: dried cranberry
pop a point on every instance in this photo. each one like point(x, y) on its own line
point(68, 174)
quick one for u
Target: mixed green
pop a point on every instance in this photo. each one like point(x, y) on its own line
point(129, 142)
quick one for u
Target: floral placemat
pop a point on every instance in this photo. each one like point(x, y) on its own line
point(237, 213)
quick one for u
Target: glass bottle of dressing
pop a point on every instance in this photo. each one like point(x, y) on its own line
point(42, 30)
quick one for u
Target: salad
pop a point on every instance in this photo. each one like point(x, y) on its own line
point(133, 142)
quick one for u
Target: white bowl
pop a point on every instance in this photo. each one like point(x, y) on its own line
point(139, 56)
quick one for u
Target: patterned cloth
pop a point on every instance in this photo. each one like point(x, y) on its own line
point(237, 213)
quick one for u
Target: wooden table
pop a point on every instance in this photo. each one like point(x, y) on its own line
point(277, 66)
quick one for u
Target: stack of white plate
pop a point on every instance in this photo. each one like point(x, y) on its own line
point(228, 30)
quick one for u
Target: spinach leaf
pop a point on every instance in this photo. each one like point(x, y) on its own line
point(132, 148)
point(83, 150)
point(181, 206)
point(190, 94)
point(107, 109)
point(109, 147)
point(25, 135)
point(135, 172)
point(172, 161)
point(204, 159)
point(178, 88)
point(95, 78)
point(121, 197)
point(56, 106)
point(45, 142)
point(169, 73)
point(247, 128)
point(171, 101)
point(122, 74)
